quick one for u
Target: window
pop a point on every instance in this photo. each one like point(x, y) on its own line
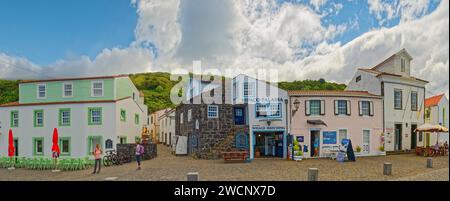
point(64, 144)
point(403, 64)
point(314, 107)
point(123, 140)
point(213, 111)
point(41, 91)
point(136, 118)
point(241, 141)
point(95, 116)
point(108, 144)
point(365, 108)
point(38, 118)
point(427, 113)
point(397, 99)
point(413, 100)
point(341, 107)
point(64, 117)
point(14, 118)
point(248, 89)
point(151, 119)
point(358, 78)
point(272, 110)
point(420, 136)
point(342, 134)
point(38, 146)
point(92, 142)
point(181, 118)
point(67, 90)
point(189, 115)
point(123, 115)
point(97, 88)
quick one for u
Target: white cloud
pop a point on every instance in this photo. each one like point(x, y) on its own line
point(385, 10)
point(265, 34)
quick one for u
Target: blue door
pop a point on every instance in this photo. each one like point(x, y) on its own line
point(239, 116)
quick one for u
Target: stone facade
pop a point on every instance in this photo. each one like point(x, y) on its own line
point(206, 134)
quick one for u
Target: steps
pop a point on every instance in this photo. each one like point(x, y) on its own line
point(226, 144)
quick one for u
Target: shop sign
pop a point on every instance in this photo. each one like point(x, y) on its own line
point(300, 138)
point(268, 128)
point(329, 137)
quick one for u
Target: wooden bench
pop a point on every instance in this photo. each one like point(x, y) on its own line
point(234, 156)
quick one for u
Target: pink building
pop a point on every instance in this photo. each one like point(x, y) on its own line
point(321, 119)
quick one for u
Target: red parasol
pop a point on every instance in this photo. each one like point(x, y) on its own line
point(55, 147)
point(10, 144)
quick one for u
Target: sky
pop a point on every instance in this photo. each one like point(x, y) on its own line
point(303, 39)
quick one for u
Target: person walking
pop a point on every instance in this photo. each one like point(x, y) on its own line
point(98, 158)
point(139, 154)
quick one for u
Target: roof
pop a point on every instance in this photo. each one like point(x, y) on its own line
point(433, 101)
point(347, 93)
point(13, 104)
point(379, 73)
point(401, 51)
point(79, 78)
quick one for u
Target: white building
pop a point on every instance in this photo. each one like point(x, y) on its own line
point(87, 111)
point(436, 112)
point(403, 98)
point(266, 115)
point(167, 127)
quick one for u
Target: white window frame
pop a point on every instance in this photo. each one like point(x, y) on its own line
point(15, 118)
point(362, 108)
point(38, 92)
point(67, 118)
point(189, 115)
point(181, 118)
point(250, 89)
point(99, 118)
point(64, 89)
point(92, 88)
point(210, 112)
point(364, 149)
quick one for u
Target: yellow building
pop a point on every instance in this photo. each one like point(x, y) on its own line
point(154, 125)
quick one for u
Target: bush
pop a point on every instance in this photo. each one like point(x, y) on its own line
point(381, 148)
point(358, 149)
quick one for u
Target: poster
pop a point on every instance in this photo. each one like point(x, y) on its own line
point(300, 139)
point(329, 137)
point(181, 148)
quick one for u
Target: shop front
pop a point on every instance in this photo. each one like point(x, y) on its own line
point(268, 142)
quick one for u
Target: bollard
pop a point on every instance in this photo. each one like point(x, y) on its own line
point(387, 169)
point(313, 174)
point(429, 163)
point(192, 176)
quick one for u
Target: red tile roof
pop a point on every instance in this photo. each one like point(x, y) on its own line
point(434, 100)
point(349, 93)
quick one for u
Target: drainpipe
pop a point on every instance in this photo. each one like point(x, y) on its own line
point(286, 101)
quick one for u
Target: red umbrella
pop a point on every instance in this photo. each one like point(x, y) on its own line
point(10, 144)
point(55, 147)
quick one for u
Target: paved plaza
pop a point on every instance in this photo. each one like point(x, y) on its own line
point(167, 167)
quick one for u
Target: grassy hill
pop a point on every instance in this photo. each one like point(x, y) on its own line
point(156, 87)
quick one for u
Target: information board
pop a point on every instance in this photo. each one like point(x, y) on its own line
point(329, 137)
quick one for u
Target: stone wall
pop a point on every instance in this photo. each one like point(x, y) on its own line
point(211, 131)
point(150, 150)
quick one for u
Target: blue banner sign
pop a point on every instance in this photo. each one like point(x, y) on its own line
point(329, 137)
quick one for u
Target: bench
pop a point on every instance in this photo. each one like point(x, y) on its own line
point(234, 156)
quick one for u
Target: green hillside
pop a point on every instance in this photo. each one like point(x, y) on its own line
point(156, 87)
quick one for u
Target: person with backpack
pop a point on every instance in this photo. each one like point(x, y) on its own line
point(139, 154)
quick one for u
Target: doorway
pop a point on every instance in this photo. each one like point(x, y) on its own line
point(315, 143)
point(269, 144)
point(16, 147)
point(398, 137)
point(239, 116)
point(413, 136)
point(366, 141)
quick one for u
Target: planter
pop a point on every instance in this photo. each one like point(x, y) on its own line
point(257, 154)
point(297, 158)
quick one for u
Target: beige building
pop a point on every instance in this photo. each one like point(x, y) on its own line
point(154, 125)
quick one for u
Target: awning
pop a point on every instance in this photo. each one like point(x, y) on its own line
point(432, 128)
point(316, 122)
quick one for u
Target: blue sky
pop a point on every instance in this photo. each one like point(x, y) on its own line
point(48, 30)
point(313, 38)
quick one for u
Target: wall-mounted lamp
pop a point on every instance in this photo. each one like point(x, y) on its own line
point(296, 106)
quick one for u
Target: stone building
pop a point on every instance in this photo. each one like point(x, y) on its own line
point(210, 128)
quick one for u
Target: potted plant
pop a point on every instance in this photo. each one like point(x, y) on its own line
point(297, 151)
point(381, 148)
point(358, 149)
point(257, 153)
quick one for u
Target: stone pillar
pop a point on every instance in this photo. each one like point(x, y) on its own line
point(192, 176)
point(429, 162)
point(387, 169)
point(313, 174)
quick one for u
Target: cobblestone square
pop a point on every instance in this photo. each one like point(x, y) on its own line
point(167, 167)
